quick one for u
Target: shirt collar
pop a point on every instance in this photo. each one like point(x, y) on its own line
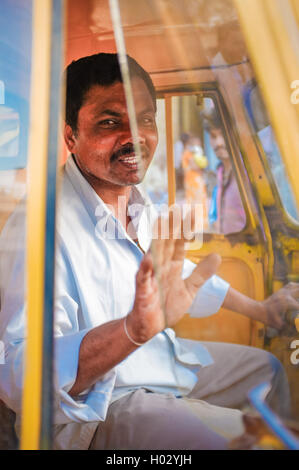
point(140, 207)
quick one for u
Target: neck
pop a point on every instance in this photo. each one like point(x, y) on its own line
point(114, 196)
point(117, 200)
point(226, 165)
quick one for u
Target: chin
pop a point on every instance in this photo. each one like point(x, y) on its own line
point(130, 181)
point(134, 181)
point(223, 158)
point(137, 178)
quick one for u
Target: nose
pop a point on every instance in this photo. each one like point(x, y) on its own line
point(126, 137)
point(219, 141)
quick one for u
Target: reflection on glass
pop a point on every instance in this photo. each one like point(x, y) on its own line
point(9, 132)
point(185, 45)
point(2, 89)
point(260, 122)
point(155, 181)
point(204, 171)
point(15, 73)
point(12, 290)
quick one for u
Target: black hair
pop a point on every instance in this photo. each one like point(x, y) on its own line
point(185, 137)
point(98, 69)
point(211, 120)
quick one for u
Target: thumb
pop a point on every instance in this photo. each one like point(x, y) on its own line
point(292, 304)
point(145, 270)
point(203, 271)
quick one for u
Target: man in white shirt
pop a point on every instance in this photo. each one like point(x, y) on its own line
point(122, 378)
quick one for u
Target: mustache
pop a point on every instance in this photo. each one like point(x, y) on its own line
point(220, 147)
point(126, 149)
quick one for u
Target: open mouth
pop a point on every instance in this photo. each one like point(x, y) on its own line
point(131, 161)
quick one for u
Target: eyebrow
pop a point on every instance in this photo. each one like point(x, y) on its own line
point(148, 110)
point(111, 112)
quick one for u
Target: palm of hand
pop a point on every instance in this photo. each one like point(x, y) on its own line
point(162, 296)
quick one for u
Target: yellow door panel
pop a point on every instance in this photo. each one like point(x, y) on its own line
point(244, 272)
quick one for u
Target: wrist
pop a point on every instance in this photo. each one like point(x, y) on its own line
point(132, 340)
point(261, 311)
point(135, 332)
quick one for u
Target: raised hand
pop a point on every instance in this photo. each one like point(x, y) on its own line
point(162, 296)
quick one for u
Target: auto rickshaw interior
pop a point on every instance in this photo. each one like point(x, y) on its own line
point(196, 55)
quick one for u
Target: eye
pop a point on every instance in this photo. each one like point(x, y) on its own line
point(108, 123)
point(147, 120)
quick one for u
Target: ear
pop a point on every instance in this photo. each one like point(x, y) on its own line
point(69, 138)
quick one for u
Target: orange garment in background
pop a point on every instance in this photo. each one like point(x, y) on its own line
point(194, 182)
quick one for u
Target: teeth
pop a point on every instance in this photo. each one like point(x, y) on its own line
point(129, 160)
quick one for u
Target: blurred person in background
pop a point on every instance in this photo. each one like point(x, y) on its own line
point(228, 211)
point(179, 149)
point(194, 164)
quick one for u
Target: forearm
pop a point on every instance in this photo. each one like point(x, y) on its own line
point(107, 345)
point(101, 349)
point(240, 303)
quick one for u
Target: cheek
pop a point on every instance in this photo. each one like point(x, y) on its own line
point(153, 140)
point(97, 145)
point(213, 143)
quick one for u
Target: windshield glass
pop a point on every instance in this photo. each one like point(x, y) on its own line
point(263, 130)
point(15, 77)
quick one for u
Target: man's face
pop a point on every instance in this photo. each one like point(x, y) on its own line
point(218, 143)
point(103, 144)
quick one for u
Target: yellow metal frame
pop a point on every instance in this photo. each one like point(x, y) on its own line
point(36, 199)
point(170, 156)
point(248, 255)
point(269, 28)
point(276, 64)
point(242, 251)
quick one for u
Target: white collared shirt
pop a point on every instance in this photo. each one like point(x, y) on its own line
point(95, 283)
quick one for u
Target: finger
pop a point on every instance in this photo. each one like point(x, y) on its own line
point(203, 271)
point(187, 229)
point(157, 245)
point(190, 224)
point(293, 288)
point(277, 322)
point(169, 240)
point(291, 303)
point(167, 230)
point(175, 233)
point(145, 269)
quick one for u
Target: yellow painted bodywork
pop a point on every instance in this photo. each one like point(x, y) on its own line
point(247, 268)
point(35, 249)
point(274, 52)
point(242, 268)
point(170, 157)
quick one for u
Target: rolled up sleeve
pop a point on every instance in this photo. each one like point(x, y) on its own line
point(209, 297)
point(93, 403)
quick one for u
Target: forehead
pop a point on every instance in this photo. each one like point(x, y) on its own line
point(100, 98)
point(216, 131)
point(194, 140)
